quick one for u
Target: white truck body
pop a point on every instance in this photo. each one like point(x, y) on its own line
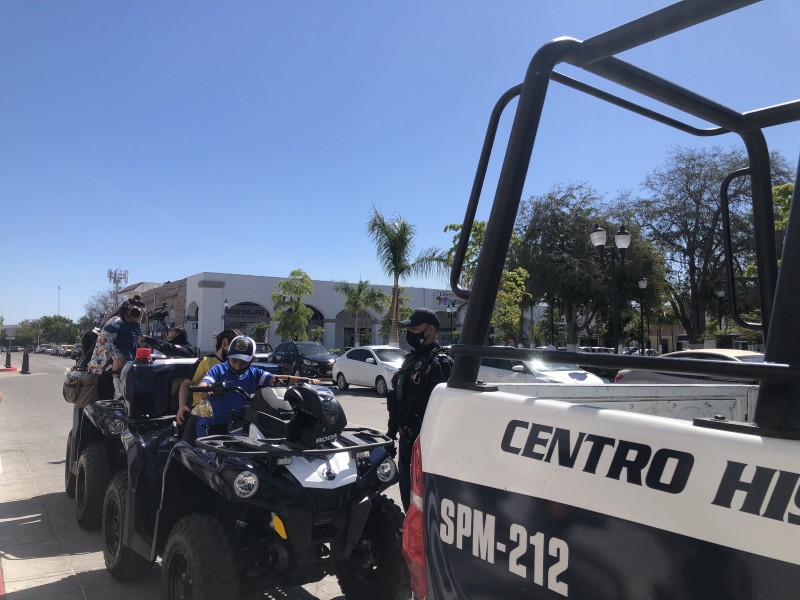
point(618, 492)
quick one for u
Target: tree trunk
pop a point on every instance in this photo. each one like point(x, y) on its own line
point(394, 340)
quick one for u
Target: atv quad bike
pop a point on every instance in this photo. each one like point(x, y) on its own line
point(94, 451)
point(287, 497)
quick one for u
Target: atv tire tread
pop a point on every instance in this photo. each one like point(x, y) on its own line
point(125, 565)
point(69, 478)
point(205, 546)
point(95, 464)
point(391, 579)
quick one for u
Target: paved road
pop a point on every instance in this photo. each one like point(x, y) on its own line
point(43, 552)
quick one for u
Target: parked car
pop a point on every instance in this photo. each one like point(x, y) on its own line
point(77, 351)
point(533, 370)
point(264, 352)
point(641, 376)
point(66, 350)
point(372, 366)
point(306, 359)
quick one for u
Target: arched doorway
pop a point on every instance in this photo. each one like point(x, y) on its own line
point(246, 316)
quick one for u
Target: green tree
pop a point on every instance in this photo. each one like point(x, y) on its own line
point(683, 216)
point(358, 298)
point(512, 297)
point(394, 242)
point(58, 329)
point(259, 331)
point(317, 334)
point(289, 306)
point(509, 303)
point(565, 270)
point(27, 333)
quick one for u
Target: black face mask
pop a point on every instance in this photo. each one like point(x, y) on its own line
point(237, 372)
point(415, 340)
point(224, 355)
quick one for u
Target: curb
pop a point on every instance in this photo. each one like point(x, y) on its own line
point(2, 586)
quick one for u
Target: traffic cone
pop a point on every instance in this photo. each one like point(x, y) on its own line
point(25, 370)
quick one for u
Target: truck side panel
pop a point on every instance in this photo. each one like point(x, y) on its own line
point(602, 504)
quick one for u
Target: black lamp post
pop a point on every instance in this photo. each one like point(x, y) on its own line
point(720, 296)
point(450, 311)
point(622, 239)
point(642, 287)
point(225, 305)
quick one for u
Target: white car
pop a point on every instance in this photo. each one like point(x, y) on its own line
point(533, 370)
point(726, 354)
point(372, 366)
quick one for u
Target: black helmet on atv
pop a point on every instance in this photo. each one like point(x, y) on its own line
point(318, 416)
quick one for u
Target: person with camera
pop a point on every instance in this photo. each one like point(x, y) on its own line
point(425, 367)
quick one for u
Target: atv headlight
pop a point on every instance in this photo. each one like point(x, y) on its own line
point(386, 471)
point(116, 426)
point(245, 484)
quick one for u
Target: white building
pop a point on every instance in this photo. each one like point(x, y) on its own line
point(198, 304)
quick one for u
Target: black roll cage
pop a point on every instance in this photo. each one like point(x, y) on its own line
point(778, 407)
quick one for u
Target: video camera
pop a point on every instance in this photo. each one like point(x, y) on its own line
point(159, 313)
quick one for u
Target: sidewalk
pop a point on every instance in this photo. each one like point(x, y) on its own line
point(43, 552)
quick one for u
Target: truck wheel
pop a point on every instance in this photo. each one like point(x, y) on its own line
point(381, 387)
point(376, 568)
point(94, 471)
point(122, 563)
point(341, 382)
point(198, 561)
point(69, 478)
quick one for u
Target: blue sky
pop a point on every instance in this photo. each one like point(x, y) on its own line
point(171, 138)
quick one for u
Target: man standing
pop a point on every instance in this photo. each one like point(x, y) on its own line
point(426, 366)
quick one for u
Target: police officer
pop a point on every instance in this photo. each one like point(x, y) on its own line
point(426, 366)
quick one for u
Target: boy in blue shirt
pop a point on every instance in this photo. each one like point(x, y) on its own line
point(237, 372)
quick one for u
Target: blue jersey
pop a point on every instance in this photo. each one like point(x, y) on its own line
point(250, 380)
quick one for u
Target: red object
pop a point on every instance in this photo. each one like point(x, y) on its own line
point(413, 529)
point(144, 355)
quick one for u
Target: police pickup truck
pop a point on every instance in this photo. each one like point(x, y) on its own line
point(524, 496)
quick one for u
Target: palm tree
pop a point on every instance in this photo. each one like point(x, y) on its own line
point(394, 241)
point(359, 297)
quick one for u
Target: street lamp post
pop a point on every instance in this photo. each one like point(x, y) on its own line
point(225, 305)
point(720, 296)
point(642, 287)
point(622, 239)
point(450, 311)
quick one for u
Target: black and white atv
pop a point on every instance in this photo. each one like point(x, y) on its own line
point(288, 496)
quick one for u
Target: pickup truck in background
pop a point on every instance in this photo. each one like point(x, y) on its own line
point(532, 495)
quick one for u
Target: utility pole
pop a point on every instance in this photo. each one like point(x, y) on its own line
point(117, 277)
point(58, 313)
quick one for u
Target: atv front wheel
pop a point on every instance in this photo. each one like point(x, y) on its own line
point(198, 561)
point(122, 563)
point(69, 478)
point(94, 471)
point(376, 568)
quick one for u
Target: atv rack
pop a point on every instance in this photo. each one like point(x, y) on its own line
point(778, 409)
point(231, 445)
